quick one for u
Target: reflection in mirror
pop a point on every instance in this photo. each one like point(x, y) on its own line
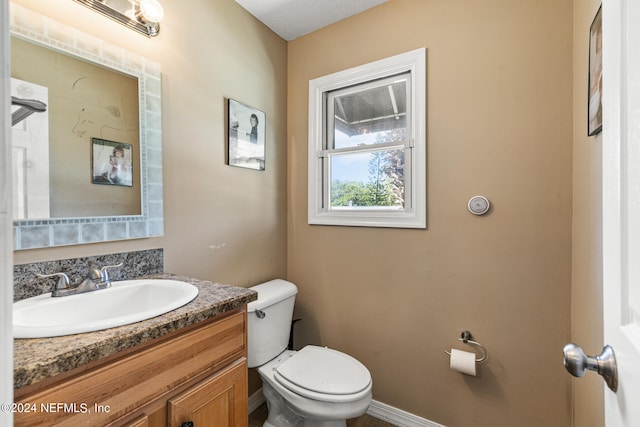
point(30, 151)
point(89, 167)
point(85, 100)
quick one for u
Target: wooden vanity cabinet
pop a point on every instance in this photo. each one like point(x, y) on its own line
point(198, 375)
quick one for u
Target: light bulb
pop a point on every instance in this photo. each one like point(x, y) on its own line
point(151, 11)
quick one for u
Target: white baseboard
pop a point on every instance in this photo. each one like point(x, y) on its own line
point(398, 417)
point(377, 410)
point(255, 400)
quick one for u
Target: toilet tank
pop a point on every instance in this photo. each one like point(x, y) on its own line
point(269, 321)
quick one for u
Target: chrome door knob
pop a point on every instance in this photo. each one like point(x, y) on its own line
point(577, 363)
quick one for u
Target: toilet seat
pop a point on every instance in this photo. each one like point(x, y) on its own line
point(323, 374)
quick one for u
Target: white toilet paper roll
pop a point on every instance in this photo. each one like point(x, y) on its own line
point(463, 361)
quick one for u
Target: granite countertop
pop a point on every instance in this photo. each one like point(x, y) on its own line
point(40, 358)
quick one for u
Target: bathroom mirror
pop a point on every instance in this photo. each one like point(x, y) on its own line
point(98, 168)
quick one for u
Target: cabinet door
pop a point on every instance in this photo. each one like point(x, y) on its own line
point(220, 400)
point(142, 421)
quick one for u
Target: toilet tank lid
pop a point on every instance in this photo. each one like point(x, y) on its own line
point(270, 293)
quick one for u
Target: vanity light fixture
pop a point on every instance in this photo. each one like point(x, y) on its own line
point(143, 16)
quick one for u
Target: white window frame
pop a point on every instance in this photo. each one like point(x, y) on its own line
point(414, 215)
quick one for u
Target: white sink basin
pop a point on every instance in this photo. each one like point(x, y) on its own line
point(125, 302)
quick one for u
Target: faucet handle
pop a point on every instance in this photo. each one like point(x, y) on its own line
point(95, 274)
point(104, 275)
point(63, 280)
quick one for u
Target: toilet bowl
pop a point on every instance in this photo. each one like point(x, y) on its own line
point(313, 387)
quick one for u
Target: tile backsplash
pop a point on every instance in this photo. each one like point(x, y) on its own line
point(27, 284)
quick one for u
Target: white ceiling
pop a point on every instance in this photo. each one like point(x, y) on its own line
point(291, 19)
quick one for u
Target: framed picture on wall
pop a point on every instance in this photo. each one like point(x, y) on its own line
point(595, 75)
point(246, 136)
point(111, 162)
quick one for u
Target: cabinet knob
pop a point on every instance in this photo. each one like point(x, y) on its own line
point(187, 424)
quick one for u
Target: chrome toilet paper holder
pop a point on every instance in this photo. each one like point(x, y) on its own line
point(466, 337)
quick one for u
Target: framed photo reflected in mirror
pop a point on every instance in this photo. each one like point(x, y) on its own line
point(111, 162)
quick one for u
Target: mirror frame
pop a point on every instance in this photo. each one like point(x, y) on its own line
point(30, 234)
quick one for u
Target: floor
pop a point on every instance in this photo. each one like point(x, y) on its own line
point(257, 418)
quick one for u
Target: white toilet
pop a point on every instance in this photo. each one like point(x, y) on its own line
point(312, 387)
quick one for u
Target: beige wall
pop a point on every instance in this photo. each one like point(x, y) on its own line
point(499, 124)
point(586, 289)
point(221, 223)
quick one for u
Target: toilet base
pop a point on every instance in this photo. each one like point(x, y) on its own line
point(280, 415)
point(310, 423)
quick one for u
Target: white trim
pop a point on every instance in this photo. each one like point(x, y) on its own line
point(378, 410)
point(6, 222)
point(255, 400)
point(398, 417)
point(416, 215)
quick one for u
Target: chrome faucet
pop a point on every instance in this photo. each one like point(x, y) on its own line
point(96, 279)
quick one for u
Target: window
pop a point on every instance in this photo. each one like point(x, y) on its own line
point(367, 148)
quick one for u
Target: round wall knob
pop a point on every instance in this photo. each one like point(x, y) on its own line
point(479, 205)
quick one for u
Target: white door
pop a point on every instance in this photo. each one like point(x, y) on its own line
point(6, 236)
point(621, 205)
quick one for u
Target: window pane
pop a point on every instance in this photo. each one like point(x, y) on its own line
point(368, 179)
point(367, 145)
point(366, 114)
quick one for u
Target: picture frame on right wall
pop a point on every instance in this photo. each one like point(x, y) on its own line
point(246, 136)
point(595, 75)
